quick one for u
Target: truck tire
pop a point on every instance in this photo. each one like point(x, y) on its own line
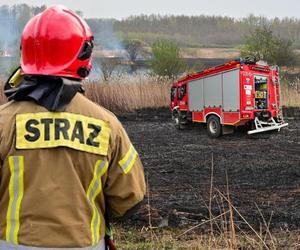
point(178, 120)
point(214, 127)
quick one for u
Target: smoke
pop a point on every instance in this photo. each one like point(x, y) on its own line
point(96, 72)
point(8, 30)
point(107, 45)
point(104, 34)
point(13, 20)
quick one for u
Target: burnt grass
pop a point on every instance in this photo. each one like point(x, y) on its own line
point(263, 172)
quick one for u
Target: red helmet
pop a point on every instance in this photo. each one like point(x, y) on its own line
point(57, 42)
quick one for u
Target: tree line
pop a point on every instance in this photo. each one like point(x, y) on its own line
point(186, 31)
point(272, 40)
point(204, 31)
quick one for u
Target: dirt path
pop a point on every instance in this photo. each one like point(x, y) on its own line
point(262, 172)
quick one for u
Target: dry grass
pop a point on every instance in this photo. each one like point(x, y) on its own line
point(291, 95)
point(129, 94)
point(210, 52)
point(125, 94)
point(134, 238)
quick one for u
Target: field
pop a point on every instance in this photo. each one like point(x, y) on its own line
point(187, 52)
point(235, 192)
point(192, 179)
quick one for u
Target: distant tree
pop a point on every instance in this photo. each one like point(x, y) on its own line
point(264, 45)
point(196, 67)
point(108, 65)
point(79, 13)
point(203, 31)
point(167, 60)
point(134, 48)
point(285, 54)
point(38, 9)
point(24, 13)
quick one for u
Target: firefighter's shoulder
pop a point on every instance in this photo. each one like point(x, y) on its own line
point(9, 110)
point(83, 105)
point(5, 106)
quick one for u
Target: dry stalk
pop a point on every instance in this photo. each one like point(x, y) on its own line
point(233, 243)
point(206, 206)
point(252, 241)
point(153, 234)
point(148, 202)
point(210, 199)
point(201, 224)
point(267, 225)
point(223, 228)
point(242, 217)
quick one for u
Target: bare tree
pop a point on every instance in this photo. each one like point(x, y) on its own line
point(108, 65)
point(134, 48)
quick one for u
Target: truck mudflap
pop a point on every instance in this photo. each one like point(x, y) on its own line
point(262, 126)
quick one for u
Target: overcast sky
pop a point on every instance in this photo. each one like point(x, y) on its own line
point(124, 8)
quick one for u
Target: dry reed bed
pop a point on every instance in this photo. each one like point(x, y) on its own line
point(126, 94)
point(291, 95)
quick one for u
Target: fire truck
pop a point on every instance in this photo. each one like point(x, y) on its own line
point(242, 92)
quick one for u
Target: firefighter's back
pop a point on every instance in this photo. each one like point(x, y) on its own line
point(65, 162)
point(48, 187)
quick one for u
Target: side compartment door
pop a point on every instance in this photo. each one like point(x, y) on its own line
point(213, 91)
point(231, 91)
point(195, 95)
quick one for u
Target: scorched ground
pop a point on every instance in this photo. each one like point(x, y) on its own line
point(263, 173)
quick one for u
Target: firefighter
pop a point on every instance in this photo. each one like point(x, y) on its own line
point(66, 163)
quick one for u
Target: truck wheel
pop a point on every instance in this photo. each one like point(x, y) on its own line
point(178, 121)
point(214, 127)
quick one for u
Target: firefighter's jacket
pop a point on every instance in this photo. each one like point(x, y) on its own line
point(60, 171)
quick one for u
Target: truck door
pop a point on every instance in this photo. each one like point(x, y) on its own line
point(173, 97)
point(182, 97)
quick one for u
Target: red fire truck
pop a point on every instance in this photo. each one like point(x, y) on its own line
point(242, 92)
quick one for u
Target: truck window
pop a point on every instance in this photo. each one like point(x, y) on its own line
point(181, 92)
point(173, 93)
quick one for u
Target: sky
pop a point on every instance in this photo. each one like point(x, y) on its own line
point(124, 8)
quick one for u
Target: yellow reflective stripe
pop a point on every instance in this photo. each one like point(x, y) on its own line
point(16, 192)
point(94, 189)
point(128, 160)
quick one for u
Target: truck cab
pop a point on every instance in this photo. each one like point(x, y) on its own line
point(179, 104)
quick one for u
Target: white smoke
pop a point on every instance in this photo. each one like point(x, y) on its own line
point(8, 30)
point(9, 40)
